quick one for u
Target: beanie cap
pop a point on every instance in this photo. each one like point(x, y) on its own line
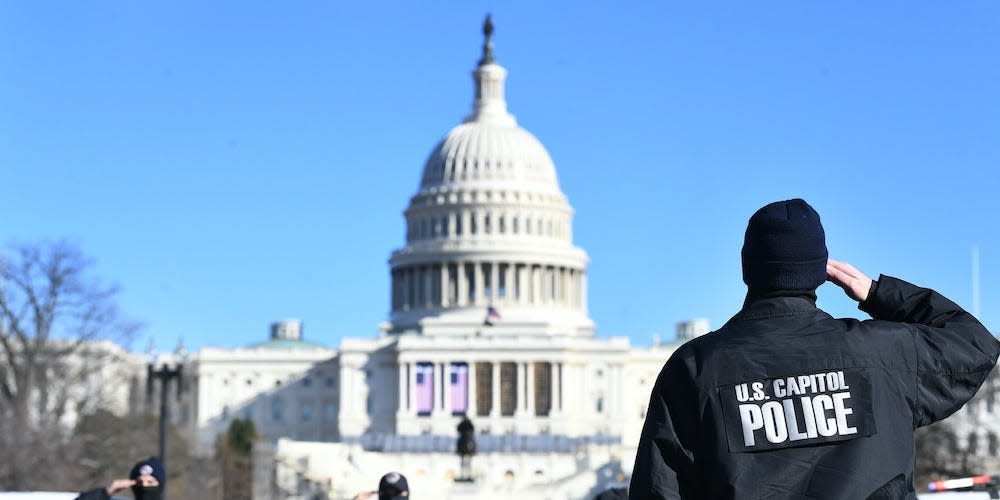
point(785, 248)
point(151, 466)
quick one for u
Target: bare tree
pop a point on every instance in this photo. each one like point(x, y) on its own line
point(52, 313)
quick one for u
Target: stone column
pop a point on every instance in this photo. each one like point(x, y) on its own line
point(583, 291)
point(403, 388)
point(521, 399)
point(413, 388)
point(470, 407)
point(519, 272)
point(536, 285)
point(462, 284)
point(446, 388)
point(530, 387)
point(438, 399)
point(556, 386)
point(508, 283)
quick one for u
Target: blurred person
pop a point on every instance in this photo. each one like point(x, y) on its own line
point(146, 480)
point(392, 486)
point(784, 401)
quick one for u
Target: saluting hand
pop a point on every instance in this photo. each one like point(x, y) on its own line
point(855, 284)
point(119, 485)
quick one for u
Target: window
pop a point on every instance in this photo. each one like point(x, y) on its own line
point(307, 382)
point(306, 411)
point(543, 389)
point(508, 389)
point(330, 412)
point(472, 223)
point(225, 412)
point(484, 389)
point(973, 443)
point(600, 405)
point(330, 382)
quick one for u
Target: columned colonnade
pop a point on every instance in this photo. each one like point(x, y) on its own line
point(493, 388)
point(479, 283)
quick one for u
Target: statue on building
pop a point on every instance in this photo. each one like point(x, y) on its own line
point(466, 446)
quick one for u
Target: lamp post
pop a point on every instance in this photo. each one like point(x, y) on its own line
point(164, 372)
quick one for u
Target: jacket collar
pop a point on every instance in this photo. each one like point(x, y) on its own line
point(776, 306)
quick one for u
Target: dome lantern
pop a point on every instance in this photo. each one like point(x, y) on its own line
point(489, 106)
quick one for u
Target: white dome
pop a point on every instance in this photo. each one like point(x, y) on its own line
point(489, 230)
point(483, 150)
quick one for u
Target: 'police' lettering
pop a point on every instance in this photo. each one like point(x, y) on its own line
point(798, 410)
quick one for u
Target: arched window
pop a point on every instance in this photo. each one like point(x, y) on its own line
point(973, 443)
point(992, 444)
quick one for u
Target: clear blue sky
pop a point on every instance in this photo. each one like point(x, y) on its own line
point(234, 163)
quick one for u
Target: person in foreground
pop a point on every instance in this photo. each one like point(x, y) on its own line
point(146, 481)
point(784, 401)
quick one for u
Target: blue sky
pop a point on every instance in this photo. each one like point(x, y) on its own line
point(230, 164)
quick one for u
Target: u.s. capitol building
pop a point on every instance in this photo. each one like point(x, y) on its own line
point(488, 319)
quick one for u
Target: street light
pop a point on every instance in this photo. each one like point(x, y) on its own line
point(164, 373)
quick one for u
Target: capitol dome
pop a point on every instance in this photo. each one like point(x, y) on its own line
point(489, 230)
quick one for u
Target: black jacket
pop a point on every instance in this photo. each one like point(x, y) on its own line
point(94, 494)
point(785, 401)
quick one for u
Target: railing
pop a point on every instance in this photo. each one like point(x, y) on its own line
point(485, 443)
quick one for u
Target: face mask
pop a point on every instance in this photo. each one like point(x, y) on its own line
point(148, 492)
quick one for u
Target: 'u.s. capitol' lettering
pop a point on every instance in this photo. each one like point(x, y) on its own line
point(823, 401)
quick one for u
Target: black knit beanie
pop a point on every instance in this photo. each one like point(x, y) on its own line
point(785, 248)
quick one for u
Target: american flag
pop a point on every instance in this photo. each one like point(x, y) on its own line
point(491, 314)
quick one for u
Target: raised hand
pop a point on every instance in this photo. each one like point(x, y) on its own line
point(855, 283)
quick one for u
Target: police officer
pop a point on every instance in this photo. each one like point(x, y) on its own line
point(146, 481)
point(784, 401)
